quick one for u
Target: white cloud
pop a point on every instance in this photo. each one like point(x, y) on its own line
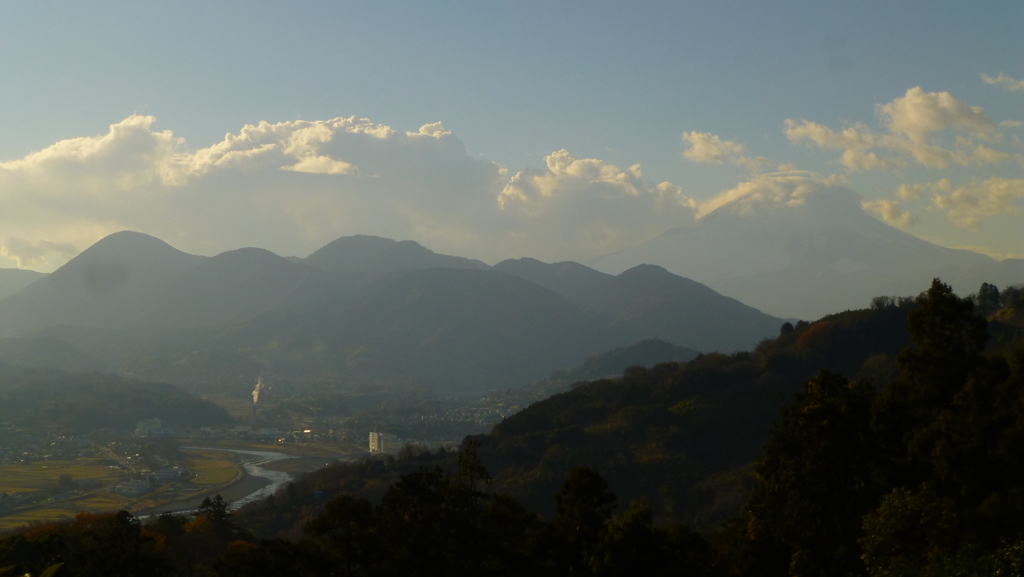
point(983, 155)
point(891, 212)
point(966, 205)
point(288, 186)
point(1011, 84)
point(581, 208)
point(914, 191)
point(708, 148)
point(28, 254)
point(768, 190)
point(918, 113)
point(911, 122)
point(855, 142)
point(293, 186)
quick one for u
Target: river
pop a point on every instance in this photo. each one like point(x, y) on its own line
point(251, 462)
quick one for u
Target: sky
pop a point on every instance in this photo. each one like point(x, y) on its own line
point(558, 130)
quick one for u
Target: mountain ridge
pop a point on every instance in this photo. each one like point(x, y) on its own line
point(393, 311)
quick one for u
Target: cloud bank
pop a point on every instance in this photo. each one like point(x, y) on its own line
point(589, 206)
point(293, 186)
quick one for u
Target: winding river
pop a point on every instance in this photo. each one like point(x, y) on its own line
point(251, 462)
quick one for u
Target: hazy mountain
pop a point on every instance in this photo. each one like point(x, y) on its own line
point(13, 280)
point(48, 353)
point(572, 280)
point(803, 258)
point(649, 302)
point(232, 287)
point(370, 310)
point(451, 329)
point(109, 284)
point(373, 254)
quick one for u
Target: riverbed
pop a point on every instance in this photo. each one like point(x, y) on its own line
point(257, 483)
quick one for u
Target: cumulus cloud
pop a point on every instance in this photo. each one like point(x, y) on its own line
point(708, 148)
point(294, 186)
point(1007, 82)
point(28, 254)
point(918, 113)
point(966, 205)
point(914, 191)
point(288, 186)
point(588, 207)
point(855, 142)
point(891, 212)
point(911, 122)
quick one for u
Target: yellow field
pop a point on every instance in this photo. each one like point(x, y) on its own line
point(210, 468)
point(36, 515)
point(102, 501)
point(213, 471)
point(44, 474)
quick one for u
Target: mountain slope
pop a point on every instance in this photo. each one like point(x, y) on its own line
point(13, 280)
point(232, 287)
point(798, 256)
point(48, 353)
point(109, 284)
point(376, 255)
point(448, 329)
point(647, 302)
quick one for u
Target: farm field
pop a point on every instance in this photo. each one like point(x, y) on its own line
point(211, 470)
point(91, 475)
point(45, 474)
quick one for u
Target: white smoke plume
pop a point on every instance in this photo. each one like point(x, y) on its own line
point(256, 391)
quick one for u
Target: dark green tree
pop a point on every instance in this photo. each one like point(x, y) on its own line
point(815, 481)
point(584, 504)
point(988, 299)
point(215, 511)
point(347, 531)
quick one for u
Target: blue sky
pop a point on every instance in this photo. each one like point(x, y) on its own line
point(513, 82)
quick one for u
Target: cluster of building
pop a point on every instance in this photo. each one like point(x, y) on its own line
point(153, 429)
point(388, 444)
point(145, 482)
point(24, 448)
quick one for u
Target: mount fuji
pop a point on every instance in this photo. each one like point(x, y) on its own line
point(804, 251)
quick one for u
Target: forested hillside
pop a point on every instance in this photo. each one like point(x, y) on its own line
point(683, 435)
point(73, 403)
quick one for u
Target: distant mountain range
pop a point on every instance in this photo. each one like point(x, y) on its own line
point(809, 257)
point(13, 280)
point(359, 310)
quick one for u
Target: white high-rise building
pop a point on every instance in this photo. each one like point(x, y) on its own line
point(383, 443)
